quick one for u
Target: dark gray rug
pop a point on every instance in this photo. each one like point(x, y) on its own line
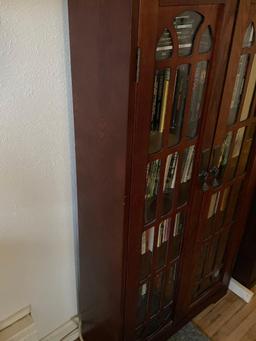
point(189, 333)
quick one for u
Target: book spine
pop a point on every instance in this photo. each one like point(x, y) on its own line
point(164, 99)
point(156, 84)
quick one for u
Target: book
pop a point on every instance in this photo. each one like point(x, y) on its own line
point(164, 99)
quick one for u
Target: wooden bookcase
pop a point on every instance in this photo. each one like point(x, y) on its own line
point(164, 105)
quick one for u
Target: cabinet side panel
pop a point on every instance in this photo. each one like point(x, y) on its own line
point(100, 35)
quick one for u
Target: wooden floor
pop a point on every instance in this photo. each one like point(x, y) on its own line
point(231, 319)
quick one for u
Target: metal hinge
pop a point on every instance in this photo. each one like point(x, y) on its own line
point(138, 65)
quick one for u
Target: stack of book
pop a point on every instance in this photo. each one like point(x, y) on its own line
point(152, 179)
point(187, 165)
point(147, 241)
point(160, 94)
point(170, 172)
point(163, 232)
point(164, 46)
point(185, 27)
point(178, 225)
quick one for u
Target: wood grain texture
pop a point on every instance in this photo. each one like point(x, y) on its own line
point(100, 39)
point(230, 319)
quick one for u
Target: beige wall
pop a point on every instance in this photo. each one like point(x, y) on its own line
point(37, 262)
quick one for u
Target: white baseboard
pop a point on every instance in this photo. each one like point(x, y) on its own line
point(21, 327)
point(22, 330)
point(69, 331)
point(15, 317)
point(240, 290)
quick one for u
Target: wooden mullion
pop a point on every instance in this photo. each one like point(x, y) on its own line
point(185, 143)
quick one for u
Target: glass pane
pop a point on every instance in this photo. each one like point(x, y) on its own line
point(152, 181)
point(249, 92)
point(213, 205)
point(170, 284)
point(225, 149)
point(156, 294)
point(177, 234)
point(179, 103)
point(233, 161)
point(212, 210)
point(186, 173)
point(232, 203)
point(160, 95)
point(223, 206)
point(162, 241)
point(244, 155)
point(147, 249)
point(197, 96)
point(186, 25)
point(142, 303)
point(238, 89)
point(249, 36)
point(238, 142)
point(206, 41)
point(164, 47)
point(169, 181)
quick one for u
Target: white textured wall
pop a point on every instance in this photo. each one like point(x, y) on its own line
point(37, 262)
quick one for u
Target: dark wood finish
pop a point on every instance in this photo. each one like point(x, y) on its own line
point(113, 91)
point(100, 34)
point(245, 267)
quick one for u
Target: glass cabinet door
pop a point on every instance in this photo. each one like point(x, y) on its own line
point(230, 157)
point(181, 66)
point(183, 50)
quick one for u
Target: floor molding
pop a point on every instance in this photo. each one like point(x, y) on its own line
point(240, 290)
point(15, 317)
point(69, 331)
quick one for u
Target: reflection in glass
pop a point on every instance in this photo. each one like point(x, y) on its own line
point(210, 224)
point(206, 41)
point(238, 89)
point(232, 203)
point(169, 181)
point(238, 142)
point(164, 47)
point(246, 149)
point(186, 173)
point(142, 303)
point(236, 153)
point(177, 234)
point(147, 249)
point(249, 36)
point(160, 95)
point(223, 206)
point(224, 154)
point(179, 103)
point(186, 25)
point(156, 294)
point(152, 180)
point(197, 96)
point(249, 92)
point(162, 241)
point(213, 207)
point(170, 284)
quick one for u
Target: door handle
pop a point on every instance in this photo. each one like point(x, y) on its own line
point(214, 172)
point(203, 176)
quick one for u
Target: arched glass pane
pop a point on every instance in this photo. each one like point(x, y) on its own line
point(206, 41)
point(249, 36)
point(186, 25)
point(164, 47)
